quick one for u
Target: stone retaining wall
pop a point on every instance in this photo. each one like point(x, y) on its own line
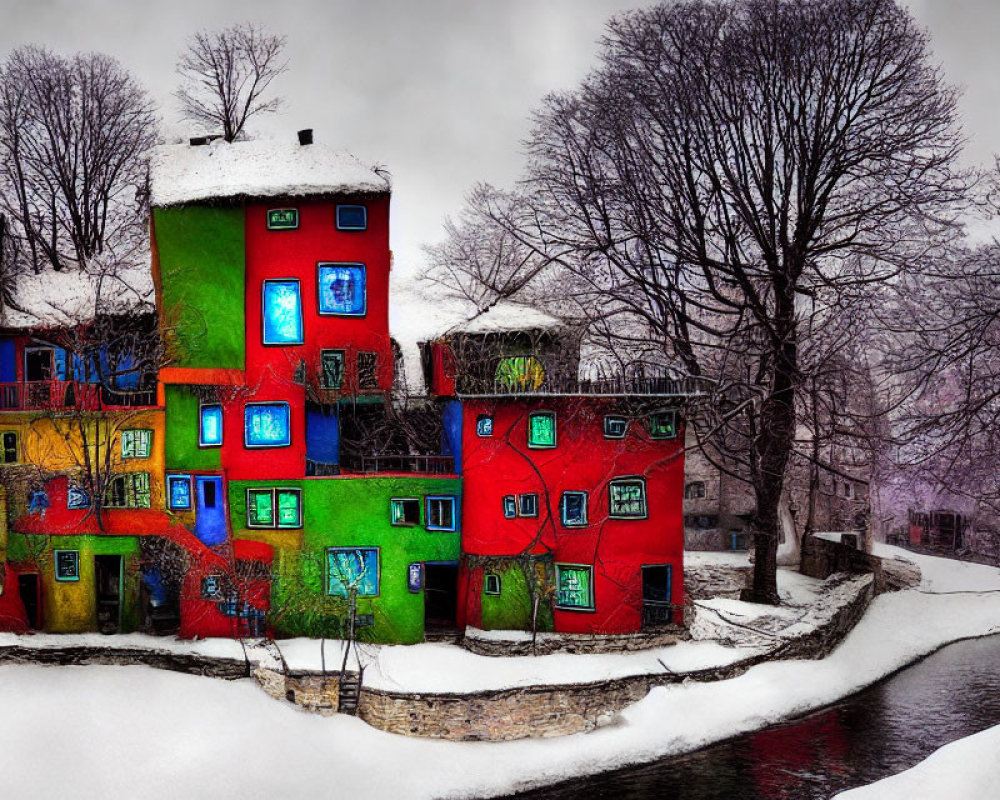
point(547, 643)
point(159, 659)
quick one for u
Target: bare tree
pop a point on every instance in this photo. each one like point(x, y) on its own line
point(226, 74)
point(72, 175)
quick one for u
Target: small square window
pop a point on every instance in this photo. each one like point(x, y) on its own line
point(136, 443)
point(615, 427)
point(627, 498)
point(662, 425)
point(282, 312)
point(527, 505)
point(573, 509)
point(509, 506)
point(484, 425)
point(404, 511)
point(367, 370)
point(210, 425)
point(352, 218)
point(9, 450)
point(331, 369)
point(341, 289)
point(267, 425)
point(491, 583)
point(211, 587)
point(282, 219)
point(67, 564)
point(575, 586)
point(179, 492)
point(289, 508)
point(77, 497)
point(352, 569)
point(541, 429)
point(441, 514)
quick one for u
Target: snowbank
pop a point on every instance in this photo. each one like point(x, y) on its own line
point(968, 768)
point(184, 173)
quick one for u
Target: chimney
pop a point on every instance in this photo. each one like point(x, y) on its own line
point(306, 136)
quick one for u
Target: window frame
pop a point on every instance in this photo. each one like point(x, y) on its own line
point(586, 509)
point(555, 431)
point(355, 228)
point(497, 584)
point(263, 313)
point(614, 417)
point(378, 570)
point(136, 438)
point(133, 495)
point(282, 227)
point(401, 500)
point(521, 498)
point(320, 266)
point(454, 512)
point(276, 524)
point(628, 479)
point(512, 499)
point(269, 446)
point(178, 478)
point(658, 436)
point(592, 607)
point(695, 490)
point(3, 447)
point(55, 566)
point(322, 367)
point(201, 425)
point(480, 420)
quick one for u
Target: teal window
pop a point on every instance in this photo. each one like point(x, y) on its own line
point(282, 312)
point(484, 425)
point(341, 289)
point(274, 508)
point(627, 498)
point(136, 443)
point(67, 564)
point(573, 509)
point(267, 425)
point(179, 492)
point(331, 369)
point(282, 219)
point(509, 506)
point(9, 448)
point(575, 586)
point(662, 425)
point(352, 568)
point(441, 514)
point(352, 218)
point(404, 511)
point(541, 429)
point(128, 490)
point(615, 427)
point(210, 425)
point(491, 583)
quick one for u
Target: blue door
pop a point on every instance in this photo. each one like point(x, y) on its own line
point(210, 515)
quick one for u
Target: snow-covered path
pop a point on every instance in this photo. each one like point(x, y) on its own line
point(137, 732)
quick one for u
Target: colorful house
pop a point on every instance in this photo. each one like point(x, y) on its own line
point(290, 469)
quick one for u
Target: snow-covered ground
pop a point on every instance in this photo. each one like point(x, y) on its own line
point(134, 731)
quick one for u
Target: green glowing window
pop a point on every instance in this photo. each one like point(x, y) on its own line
point(627, 498)
point(282, 219)
point(136, 443)
point(274, 508)
point(575, 586)
point(541, 429)
point(662, 425)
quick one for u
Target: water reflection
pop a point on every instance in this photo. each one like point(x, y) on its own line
point(881, 731)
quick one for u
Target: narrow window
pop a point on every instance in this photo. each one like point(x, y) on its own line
point(367, 370)
point(404, 511)
point(282, 312)
point(528, 505)
point(574, 586)
point(341, 289)
point(541, 429)
point(491, 583)
point(332, 369)
point(210, 425)
point(67, 564)
point(615, 427)
point(289, 503)
point(441, 514)
point(573, 509)
point(352, 218)
point(352, 570)
point(267, 425)
point(10, 447)
point(260, 508)
point(208, 487)
point(627, 498)
point(509, 506)
point(179, 492)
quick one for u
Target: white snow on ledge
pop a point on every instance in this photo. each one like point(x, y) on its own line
point(266, 168)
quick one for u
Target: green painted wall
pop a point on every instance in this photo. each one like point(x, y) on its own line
point(71, 606)
point(511, 609)
point(202, 266)
point(182, 451)
point(347, 512)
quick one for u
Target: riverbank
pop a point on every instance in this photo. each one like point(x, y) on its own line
point(145, 733)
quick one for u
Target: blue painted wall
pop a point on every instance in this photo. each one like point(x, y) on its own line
point(210, 519)
point(322, 436)
point(452, 444)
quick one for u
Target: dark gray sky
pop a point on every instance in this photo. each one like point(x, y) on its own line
point(439, 91)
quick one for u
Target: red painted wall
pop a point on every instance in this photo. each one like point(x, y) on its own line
point(583, 460)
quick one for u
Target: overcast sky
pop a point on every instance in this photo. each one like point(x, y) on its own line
point(439, 91)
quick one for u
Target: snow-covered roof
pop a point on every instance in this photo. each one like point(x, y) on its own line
point(220, 170)
point(416, 315)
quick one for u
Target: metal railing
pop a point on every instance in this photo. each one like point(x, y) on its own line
point(397, 462)
point(56, 395)
point(636, 384)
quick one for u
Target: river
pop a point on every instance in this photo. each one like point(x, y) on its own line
point(883, 730)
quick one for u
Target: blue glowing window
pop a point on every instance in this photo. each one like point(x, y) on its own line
point(179, 492)
point(352, 568)
point(210, 426)
point(282, 312)
point(341, 288)
point(352, 218)
point(267, 425)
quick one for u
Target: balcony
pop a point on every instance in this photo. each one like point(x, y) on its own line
point(649, 381)
point(352, 464)
point(70, 396)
